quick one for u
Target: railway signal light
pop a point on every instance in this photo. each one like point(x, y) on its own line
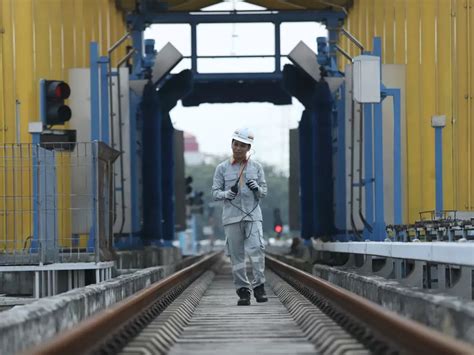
point(188, 190)
point(278, 228)
point(277, 222)
point(54, 110)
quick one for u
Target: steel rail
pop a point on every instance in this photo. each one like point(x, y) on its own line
point(88, 335)
point(409, 335)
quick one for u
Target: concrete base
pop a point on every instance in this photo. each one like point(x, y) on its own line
point(450, 315)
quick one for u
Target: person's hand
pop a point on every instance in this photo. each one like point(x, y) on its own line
point(252, 184)
point(230, 195)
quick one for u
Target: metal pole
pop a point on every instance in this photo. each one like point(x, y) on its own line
point(352, 39)
point(378, 164)
point(439, 168)
point(378, 158)
point(95, 124)
point(120, 123)
point(277, 48)
point(193, 48)
point(104, 99)
point(368, 168)
point(438, 123)
point(118, 43)
point(397, 157)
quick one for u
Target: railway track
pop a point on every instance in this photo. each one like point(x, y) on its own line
point(194, 311)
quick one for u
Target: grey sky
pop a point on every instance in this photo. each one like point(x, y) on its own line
point(213, 124)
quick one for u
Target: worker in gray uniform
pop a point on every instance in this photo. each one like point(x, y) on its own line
point(240, 183)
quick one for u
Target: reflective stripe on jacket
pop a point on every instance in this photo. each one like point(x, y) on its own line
point(225, 176)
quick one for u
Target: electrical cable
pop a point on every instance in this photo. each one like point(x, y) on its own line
point(235, 188)
point(247, 214)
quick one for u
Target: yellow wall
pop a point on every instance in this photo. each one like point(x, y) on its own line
point(435, 39)
point(42, 39)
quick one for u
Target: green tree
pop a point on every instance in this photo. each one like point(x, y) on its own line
point(277, 194)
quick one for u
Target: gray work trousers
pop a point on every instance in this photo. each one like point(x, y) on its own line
point(243, 238)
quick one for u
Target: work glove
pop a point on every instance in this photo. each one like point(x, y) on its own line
point(229, 194)
point(252, 185)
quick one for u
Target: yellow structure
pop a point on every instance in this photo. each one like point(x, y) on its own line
point(41, 39)
point(435, 39)
point(44, 39)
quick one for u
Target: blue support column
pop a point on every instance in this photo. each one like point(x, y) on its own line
point(379, 230)
point(136, 155)
point(313, 171)
point(397, 156)
point(151, 167)
point(439, 168)
point(333, 27)
point(95, 137)
point(306, 185)
point(277, 48)
point(167, 148)
point(42, 105)
point(35, 146)
point(137, 43)
point(193, 49)
point(368, 169)
point(104, 100)
point(94, 81)
point(93, 234)
point(340, 178)
point(438, 123)
point(321, 114)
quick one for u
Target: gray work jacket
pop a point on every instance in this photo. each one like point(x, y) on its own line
point(225, 176)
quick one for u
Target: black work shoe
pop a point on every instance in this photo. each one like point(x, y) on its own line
point(244, 294)
point(259, 293)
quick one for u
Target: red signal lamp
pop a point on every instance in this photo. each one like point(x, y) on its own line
point(55, 110)
point(278, 228)
point(62, 90)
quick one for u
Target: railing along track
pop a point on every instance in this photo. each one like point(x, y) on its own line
point(381, 330)
point(109, 330)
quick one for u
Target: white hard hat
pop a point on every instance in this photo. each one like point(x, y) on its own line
point(243, 135)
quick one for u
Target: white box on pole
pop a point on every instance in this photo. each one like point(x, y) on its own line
point(366, 82)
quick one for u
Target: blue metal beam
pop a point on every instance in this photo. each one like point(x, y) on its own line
point(104, 99)
point(238, 76)
point(439, 168)
point(277, 48)
point(397, 155)
point(235, 17)
point(379, 230)
point(95, 106)
point(193, 48)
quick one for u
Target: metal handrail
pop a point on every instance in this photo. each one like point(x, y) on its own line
point(352, 39)
point(119, 94)
point(112, 143)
